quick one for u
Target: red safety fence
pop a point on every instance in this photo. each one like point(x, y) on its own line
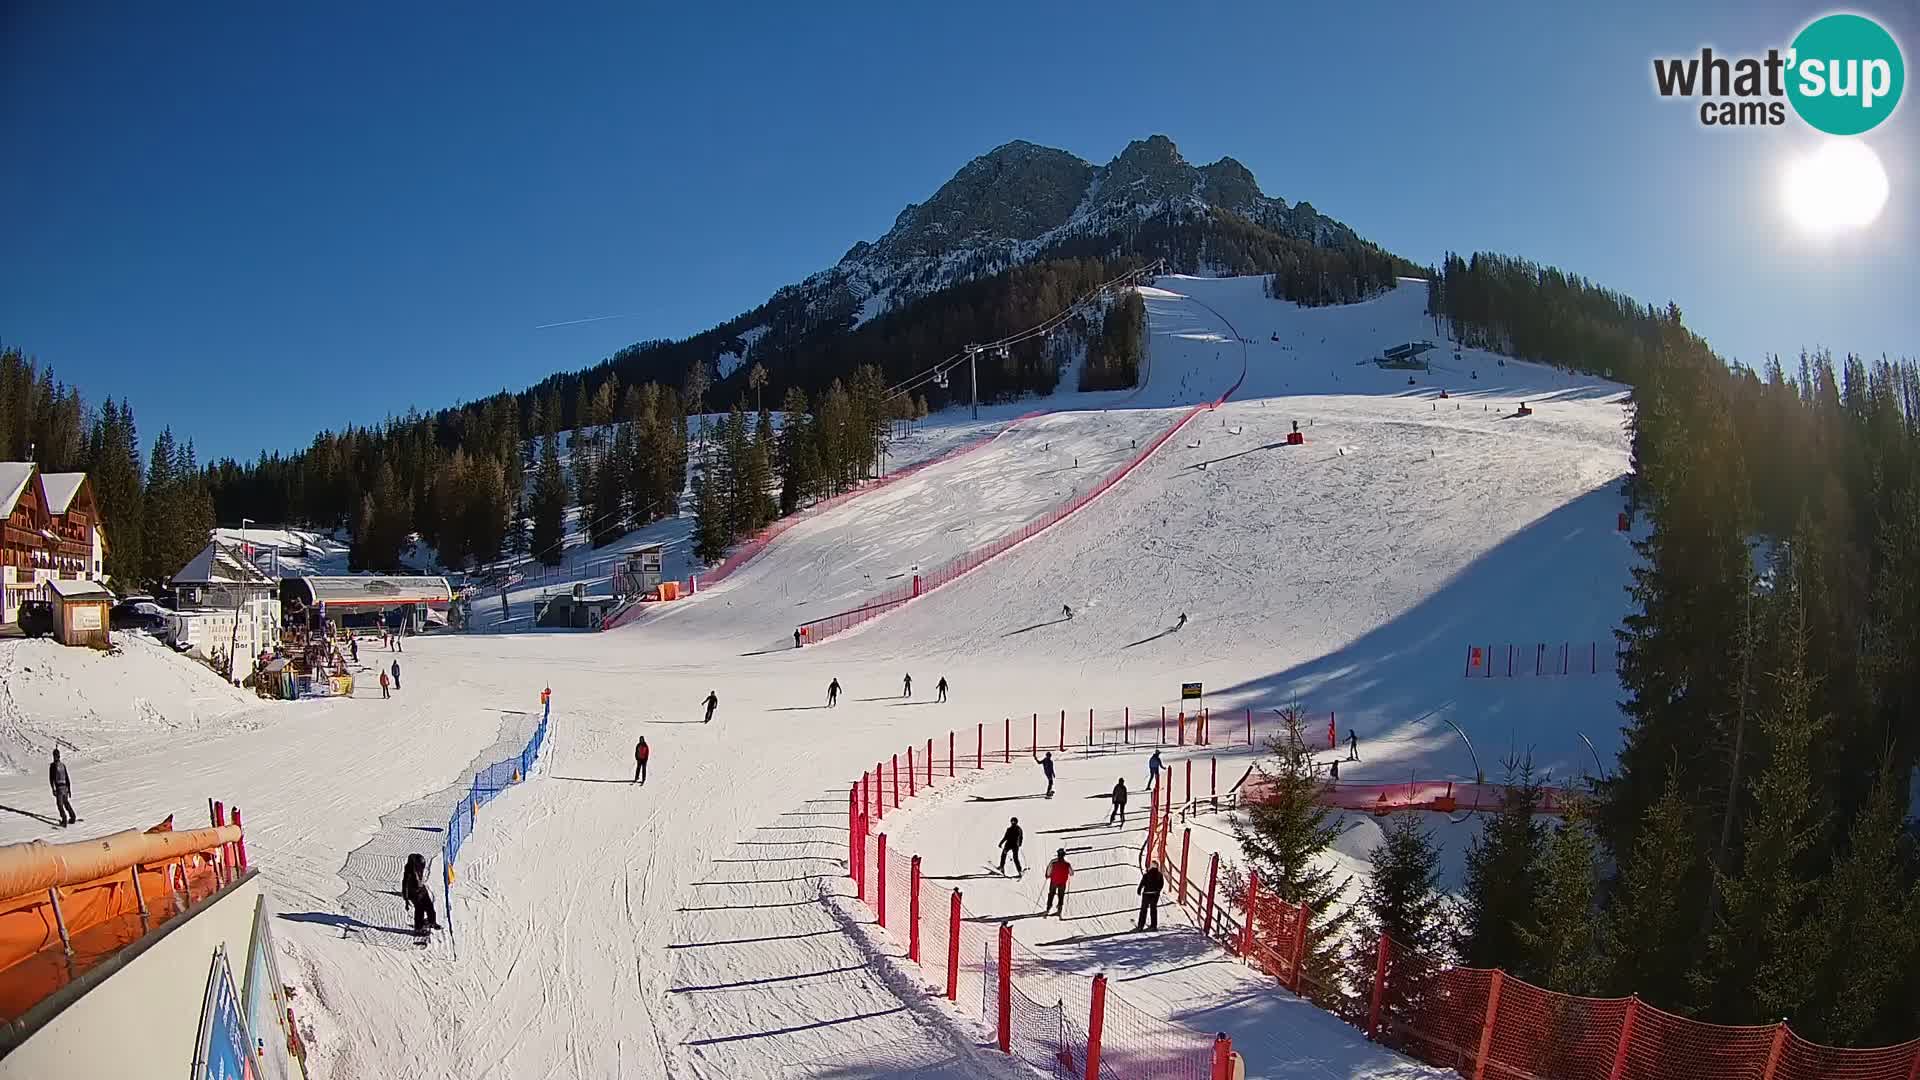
point(1087, 1032)
point(1542, 659)
point(1487, 1024)
point(1436, 796)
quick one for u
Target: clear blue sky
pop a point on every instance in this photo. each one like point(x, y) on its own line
point(259, 221)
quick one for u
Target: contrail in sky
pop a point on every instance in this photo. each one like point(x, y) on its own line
point(596, 318)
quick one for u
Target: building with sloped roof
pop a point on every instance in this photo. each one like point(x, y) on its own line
point(50, 530)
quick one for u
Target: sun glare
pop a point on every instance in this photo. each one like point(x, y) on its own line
point(1841, 185)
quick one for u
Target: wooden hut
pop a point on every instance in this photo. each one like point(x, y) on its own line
point(80, 613)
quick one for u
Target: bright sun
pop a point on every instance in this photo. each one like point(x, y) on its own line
point(1841, 185)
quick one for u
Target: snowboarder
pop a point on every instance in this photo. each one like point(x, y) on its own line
point(385, 685)
point(62, 786)
point(1151, 883)
point(1119, 803)
point(413, 890)
point(906, 686)
point(1010, 845)
point(641, 751)
point(796, 637)
point(1153, 770)
point(1046, 767)
point(940, 688)
point(713, 702)
point(1353, 746)
point(396, 674)
point(1066, 611)
point(833, 693)
point(1058, 871)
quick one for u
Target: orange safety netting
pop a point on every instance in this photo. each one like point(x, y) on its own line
point(101, 916)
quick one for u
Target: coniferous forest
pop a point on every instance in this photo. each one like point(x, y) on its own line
point(1752, 854)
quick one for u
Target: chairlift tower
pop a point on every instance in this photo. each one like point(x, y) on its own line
point(973, 377)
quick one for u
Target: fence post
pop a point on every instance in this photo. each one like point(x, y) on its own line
point(1062, 747)
point(1253, 913)
point(1222, 1065)
point(1163, 725)
point(1189, 780)
point(929, 761)
point(1006, 740)
point(1153, 811)
point(1180, 727)
point(1213, 781)
point(1249, 727)
point(896, 781)
point(1034, 743)
point(1486, 1026)
point(1089, 729)
point(913, 912)
point(1005, 1017)
point(1773, 1051)
point(1096, 1017)
point(1626, 1040)
point(1213, 878)
point(950, 765)
point(1126, 720)
point(1303, 925)
point(953, 947)
point(853, 833)
point(909, 772)
point(1200, 735)
point(880, 890)
point(879, 792)
point(1186, 843)
point(1379, 988)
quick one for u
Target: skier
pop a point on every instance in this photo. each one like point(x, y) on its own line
point(62, 786)
point(833, 693)
point(1058, 871)
point(1119, 803)
point(796, 637)
point(1046, 767)
point(906, 686)
point(396, 674)
point(940, 688)
point(1333, 770)
point(398, 647)
point(385, 684)
point(1153, 770)
point(413, 890)
point(1066, 611)
point(1182, 622)
point(1353, 746)
point(713, 702)
point(641, 751)
point(353, 648)
point(1151, 883)
point(1010, 845)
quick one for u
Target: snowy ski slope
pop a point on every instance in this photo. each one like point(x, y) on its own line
point(697, 926)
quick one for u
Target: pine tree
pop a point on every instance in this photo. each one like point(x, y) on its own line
point(1759, 964)
point(795, 482)
point(1500, 892)
point(1562, 939)
point(1650, 927)
point(607, 512)
point(760, 475)
point(1865, 930)
point(549, 504)
point(1283, 833)
point(1403, 901)
point(114, 465)
point(166, 513)
point(710, 535)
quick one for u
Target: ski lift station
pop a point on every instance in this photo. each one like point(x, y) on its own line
point(367, 603)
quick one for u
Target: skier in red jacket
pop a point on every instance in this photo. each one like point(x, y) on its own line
point(641, 751)
point(1058, 871)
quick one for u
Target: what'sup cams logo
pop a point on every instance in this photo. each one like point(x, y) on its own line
point(1843, 75)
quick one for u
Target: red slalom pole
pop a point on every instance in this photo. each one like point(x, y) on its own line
point(913, 912)
point(881, 892)
point(953, 947)
point(1213, 879)
point(1006, 740)
point(1186, 843)
point(1033, 747)
point(950, 765)
point(896, 781)
point(1163, 725)
point(929, 761)
point(1126, 717)
point(1089, 729)
point(979, 746)
point(1063, 732)
point(909, 772)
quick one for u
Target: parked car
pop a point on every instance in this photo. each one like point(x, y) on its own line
point(139, 613)
point(36, 617)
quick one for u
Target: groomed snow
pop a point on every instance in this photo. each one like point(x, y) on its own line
point(697, 926)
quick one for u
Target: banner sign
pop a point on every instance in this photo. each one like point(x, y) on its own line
point(1189, 691)
point(265, 1000)
point(224, 1051)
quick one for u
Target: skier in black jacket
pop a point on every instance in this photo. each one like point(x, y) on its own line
point(1151, 883)
point(712, 703)
point(1119, 803)
point(413, 890)
point(62, 786)
point(1046, 766)
point(1010, 845)
point(833, 693)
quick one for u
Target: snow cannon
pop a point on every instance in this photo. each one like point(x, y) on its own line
point(1523, 410)
point(1294, 438)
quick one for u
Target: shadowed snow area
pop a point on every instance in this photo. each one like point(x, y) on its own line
point(699, 926)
